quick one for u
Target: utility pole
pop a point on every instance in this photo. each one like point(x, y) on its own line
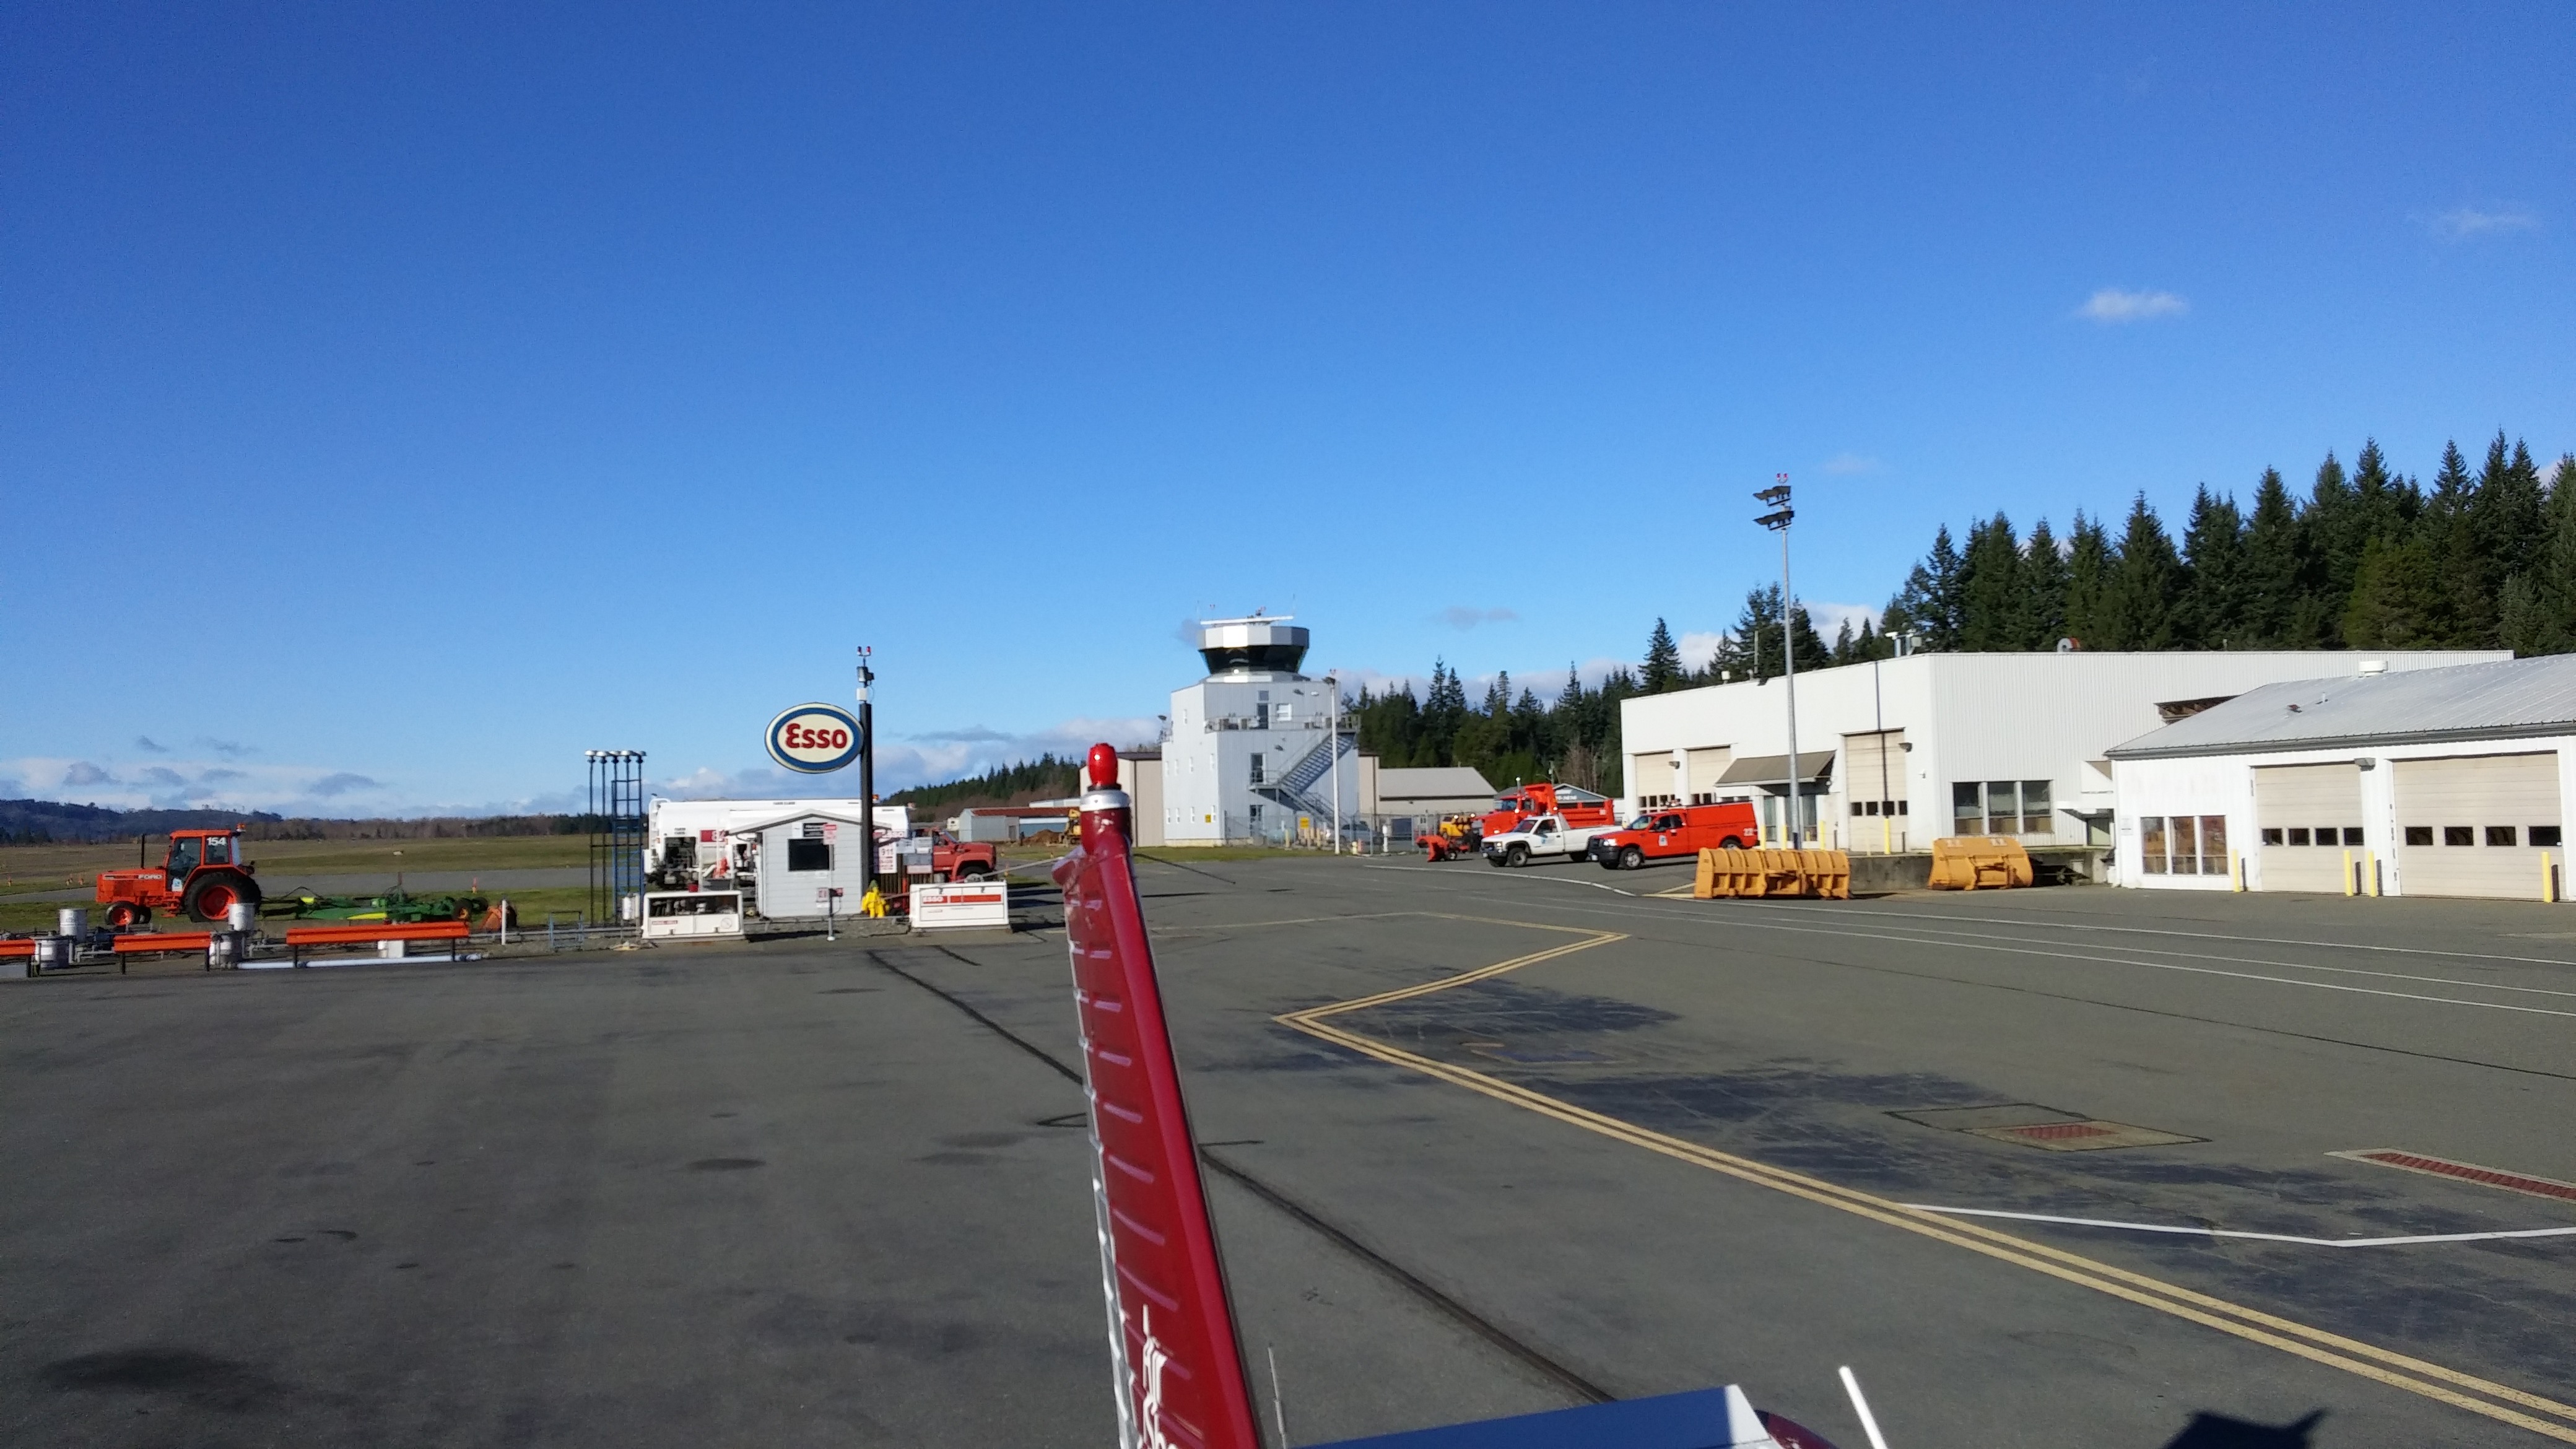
point(1776, 498)
point(1333, 742)
point(867, 778)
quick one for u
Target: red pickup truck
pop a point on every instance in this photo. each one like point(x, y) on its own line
point(1677, 833)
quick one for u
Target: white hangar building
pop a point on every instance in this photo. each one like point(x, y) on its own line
point(2436, 782)
point(1900, 752)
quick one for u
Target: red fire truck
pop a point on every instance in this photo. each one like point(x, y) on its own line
point(1677, 832)
point(1578, 807)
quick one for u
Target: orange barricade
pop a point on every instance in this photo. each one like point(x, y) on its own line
point(1825, 874)
point(1975, 862)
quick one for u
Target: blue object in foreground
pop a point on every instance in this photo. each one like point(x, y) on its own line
point(1700, 1419)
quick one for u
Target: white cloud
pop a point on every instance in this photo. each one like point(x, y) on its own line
point(2461, 223)
point(1468, 616)
point(1845, 465)
point(2113, 305)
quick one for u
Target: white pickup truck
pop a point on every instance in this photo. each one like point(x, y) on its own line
point(1542, 837)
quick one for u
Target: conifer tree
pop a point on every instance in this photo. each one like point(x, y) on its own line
point(2040, 617)
point(1990, 588)
point(2088, 581)
point(2268, 587)
point(1928, 605)
point(2212, 610)
point(2444, 572)
point(1663, 661)
point(2137, 610)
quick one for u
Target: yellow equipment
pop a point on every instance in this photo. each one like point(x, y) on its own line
point(1972, 862)
point(1821, 874)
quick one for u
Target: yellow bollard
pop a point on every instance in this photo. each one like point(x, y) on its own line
point(2347, 874)
point(2235, 871)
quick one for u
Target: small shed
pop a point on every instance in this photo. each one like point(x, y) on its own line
point(803, 856)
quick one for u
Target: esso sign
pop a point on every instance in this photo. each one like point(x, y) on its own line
point(814, 739)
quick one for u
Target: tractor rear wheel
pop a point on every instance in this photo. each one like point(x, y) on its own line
point(212, 895)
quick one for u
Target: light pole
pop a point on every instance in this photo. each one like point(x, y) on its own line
point(1776, 498)
point(867, 776)
point(1333, 742)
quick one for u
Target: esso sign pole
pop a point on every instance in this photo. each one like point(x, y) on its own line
point(867, 776)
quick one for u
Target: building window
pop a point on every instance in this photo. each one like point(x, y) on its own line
point(2500, 835)
point(803, 854)
point(2459, 835)
point(2544, 836)
point(2151, 844)
point(2419, 835)
point(2272, 836)
point(2213, 845)
point(2352, 835)
point(2034, 808)
point(1256, 764)
point(2298, 835)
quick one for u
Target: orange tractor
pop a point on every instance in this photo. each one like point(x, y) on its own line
point(204, 875)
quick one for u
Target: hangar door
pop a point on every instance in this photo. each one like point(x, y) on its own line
point(2307, 815)
point(2475, 825)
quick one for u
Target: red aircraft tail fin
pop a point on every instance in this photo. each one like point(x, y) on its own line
point(1174, 1350)
point(1172, 1341)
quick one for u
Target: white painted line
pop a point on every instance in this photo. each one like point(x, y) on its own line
point(1752, 918)
point(1560, 880)
point(2214, 936)
point(1981, 938)
point(1961, 1212)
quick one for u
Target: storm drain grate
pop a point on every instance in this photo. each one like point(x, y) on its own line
point(2464, 1172)
point(2083, 1136)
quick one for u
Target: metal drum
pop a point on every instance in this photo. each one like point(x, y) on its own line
point(54, 953)
point(241, 916)
point(73, 922)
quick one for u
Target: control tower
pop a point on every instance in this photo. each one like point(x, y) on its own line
point(1251, 749)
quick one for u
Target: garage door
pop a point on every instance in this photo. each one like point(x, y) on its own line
point(1703, 767)
point(2306, 817)
point(2476, 825)
point(1650, 778)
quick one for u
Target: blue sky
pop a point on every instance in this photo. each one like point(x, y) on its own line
point(396, 402)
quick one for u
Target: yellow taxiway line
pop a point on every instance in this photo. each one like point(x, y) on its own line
point(2497, 1401)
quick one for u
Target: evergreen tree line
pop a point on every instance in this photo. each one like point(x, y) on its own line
point(2367, 559)
point(1044, 778)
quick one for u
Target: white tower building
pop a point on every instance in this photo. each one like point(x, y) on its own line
point(1253, 747)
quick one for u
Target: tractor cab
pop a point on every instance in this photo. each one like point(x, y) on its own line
point(203, 873)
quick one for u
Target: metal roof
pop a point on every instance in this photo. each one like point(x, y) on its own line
point(1774, 769)
point(1432, 782)
point(2508, 699)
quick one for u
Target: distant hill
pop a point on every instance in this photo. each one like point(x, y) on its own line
point(1044, 778)
point(32, 822)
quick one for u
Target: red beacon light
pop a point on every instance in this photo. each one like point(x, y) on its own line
point(1104, 767)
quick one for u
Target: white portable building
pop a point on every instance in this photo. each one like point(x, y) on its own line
point(2443, 782)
